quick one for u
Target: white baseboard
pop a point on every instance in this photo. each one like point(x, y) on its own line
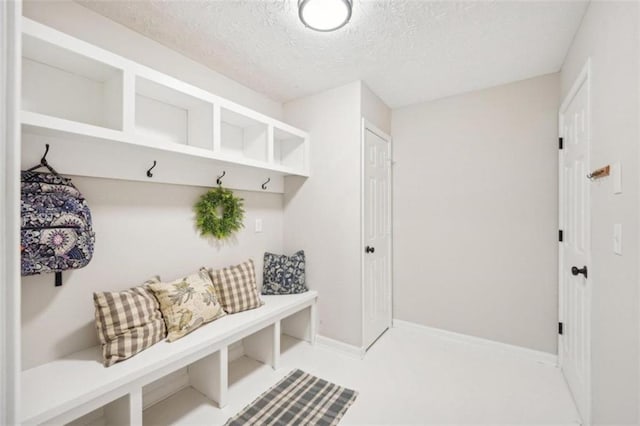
point(532, 354)
point(344, 348)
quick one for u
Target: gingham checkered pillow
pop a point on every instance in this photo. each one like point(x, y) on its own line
point(236, 288)
point(128, 322)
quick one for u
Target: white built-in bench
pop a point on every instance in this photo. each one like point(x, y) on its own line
point(63, 390)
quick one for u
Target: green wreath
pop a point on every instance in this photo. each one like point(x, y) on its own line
point(219, 213)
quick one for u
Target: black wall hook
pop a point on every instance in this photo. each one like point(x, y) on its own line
point(149, 174)
point(264, 185)
point(44, 163)
point(43, 160)
point(219, 180)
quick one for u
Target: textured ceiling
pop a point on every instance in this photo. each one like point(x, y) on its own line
point(405, 51)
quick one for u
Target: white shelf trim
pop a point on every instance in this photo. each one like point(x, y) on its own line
point(57, 127)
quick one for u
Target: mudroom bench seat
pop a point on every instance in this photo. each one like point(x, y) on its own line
point(65, 389)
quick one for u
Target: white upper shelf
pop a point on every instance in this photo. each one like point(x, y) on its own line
point(78, 92)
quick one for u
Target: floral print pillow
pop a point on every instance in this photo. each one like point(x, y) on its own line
point(284, 274)
point(187, 303)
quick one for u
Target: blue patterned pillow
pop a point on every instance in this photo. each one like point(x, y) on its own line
point(283, 274)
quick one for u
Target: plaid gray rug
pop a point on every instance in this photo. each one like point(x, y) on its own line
point(298, 399)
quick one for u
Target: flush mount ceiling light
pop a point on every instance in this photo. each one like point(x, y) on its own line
point(324, 15)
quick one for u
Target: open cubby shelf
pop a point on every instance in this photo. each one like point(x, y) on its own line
point(243, 137)
point(166, 115)
point(289, 148)
point(64, 84)
point(85, 96)
point(78, 388)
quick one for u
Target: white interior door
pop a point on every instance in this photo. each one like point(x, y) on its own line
point(575, 250)
point(376, 234)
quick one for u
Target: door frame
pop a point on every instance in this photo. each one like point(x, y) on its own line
point(10, 63)
point(367, 125)
point(583, 79)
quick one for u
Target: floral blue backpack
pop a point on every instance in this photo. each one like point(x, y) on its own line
point(56, 232)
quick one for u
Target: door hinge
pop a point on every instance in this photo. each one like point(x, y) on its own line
point(560, 143)
point(560, 235)
point(560, 328)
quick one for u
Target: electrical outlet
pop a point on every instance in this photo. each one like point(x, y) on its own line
point(258, 225)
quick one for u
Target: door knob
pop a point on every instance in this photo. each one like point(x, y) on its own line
point(369, 249)
point(575, 270)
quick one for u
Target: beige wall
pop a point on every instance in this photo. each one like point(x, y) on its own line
point(374, 109)
point(609, 36)
point(475, 213)
point(323, 215)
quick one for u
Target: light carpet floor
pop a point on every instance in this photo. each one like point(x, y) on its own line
point(407, 377)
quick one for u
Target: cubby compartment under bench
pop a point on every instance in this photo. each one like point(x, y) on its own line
point(66, 389)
